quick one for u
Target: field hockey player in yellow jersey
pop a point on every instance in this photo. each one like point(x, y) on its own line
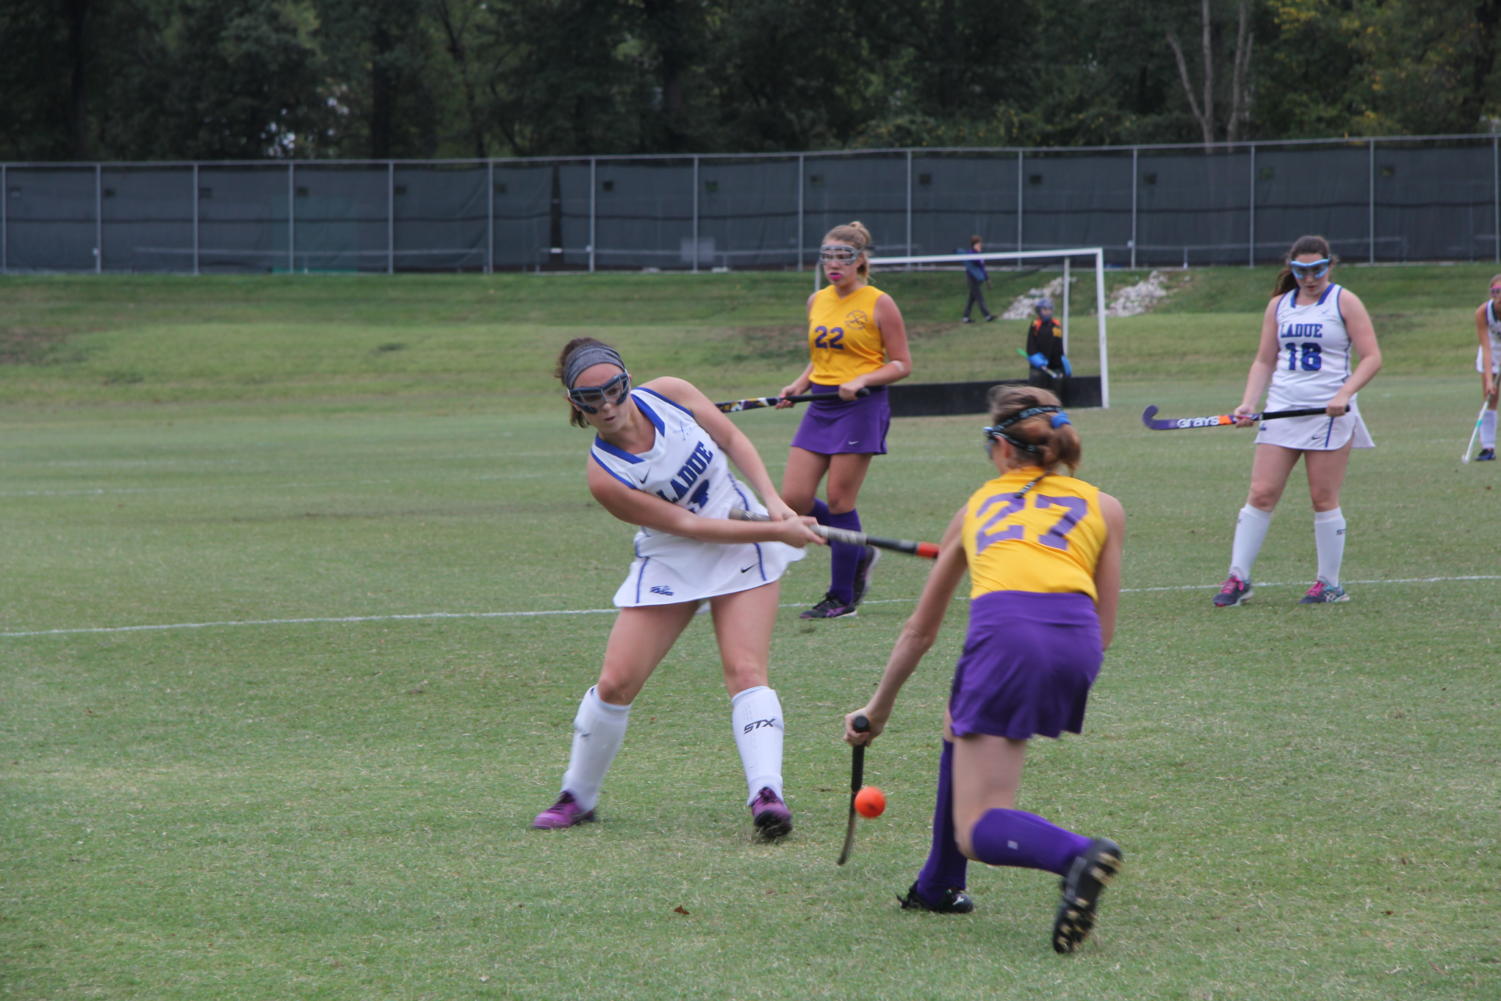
point(1043, 552)
point(856, 341)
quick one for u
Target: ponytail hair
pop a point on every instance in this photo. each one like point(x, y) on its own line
point(1048, 435)
point(1302, 245)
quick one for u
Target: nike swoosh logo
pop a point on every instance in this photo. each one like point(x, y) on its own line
point(856, 441)
point(748, 569)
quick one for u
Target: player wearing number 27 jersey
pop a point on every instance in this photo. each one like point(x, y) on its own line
point(1313, 361)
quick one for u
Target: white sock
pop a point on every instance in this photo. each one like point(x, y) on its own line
point(1329, 540)
point(1488, 429)
point(757, 717)
point(598, 732)
point(1250, 532)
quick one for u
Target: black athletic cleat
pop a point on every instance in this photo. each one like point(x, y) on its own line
point(1086, 880)
point(1486, 455)
point(954, 902)
point(829, 608)
point(1232, 592)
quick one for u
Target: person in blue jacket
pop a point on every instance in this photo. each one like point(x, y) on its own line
point(978, 278)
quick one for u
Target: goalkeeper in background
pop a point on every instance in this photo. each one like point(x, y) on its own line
point(1048, 365)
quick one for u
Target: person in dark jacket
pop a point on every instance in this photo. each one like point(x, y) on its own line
point(978, 278)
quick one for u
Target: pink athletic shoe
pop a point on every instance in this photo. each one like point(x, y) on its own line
point(564, 813)
point(772, 818)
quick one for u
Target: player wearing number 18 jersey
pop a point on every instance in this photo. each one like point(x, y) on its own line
point(1304, 359)
point(1043, 551)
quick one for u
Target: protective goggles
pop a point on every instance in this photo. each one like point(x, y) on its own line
point(1496, 290)
point(1309, 269)
point(837, 254)
point(590, 398)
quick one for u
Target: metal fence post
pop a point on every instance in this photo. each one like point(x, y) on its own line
point(291, 217)
point(4, 221)
point(390, 218)
point(593, 209)
point(1370, 224)
point(909, 206)
point(1135, 175)
point(695, 215)
point(1251, 213)
point(489, 217)
point(1019, 199)
point(799, 251)
point(1496, 198)
point(1099, 312)
point(195, 219)
point(98, 219)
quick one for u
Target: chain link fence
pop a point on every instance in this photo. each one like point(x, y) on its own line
point(1403, 199)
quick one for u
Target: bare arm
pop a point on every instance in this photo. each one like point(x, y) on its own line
point(1487, 359)
point(917, 635)
point(1265, 362)
point(898, 354)
point(1363, 337)
point(1107, 572)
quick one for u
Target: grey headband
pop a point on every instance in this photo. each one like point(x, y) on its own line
point(584, 357)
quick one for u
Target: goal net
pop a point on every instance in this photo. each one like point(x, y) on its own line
point(1053, 276)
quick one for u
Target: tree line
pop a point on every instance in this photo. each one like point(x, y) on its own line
point(253, 79)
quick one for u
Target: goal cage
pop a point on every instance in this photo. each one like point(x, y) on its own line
point(1065, 261)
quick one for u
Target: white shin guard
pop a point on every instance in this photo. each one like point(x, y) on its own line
point(1329, 542)
point(1250, 532)
point(756, 714)
point(598, 732)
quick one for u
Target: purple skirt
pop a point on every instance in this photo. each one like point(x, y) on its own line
point(835, 426)
point(1029, 660)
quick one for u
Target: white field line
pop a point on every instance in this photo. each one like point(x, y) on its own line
point(433, 616)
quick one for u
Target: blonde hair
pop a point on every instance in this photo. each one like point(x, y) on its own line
point(1302, 245)
point(856, 235)
point(1057, 444)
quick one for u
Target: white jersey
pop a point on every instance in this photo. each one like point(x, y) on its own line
point(1313, 362)
point(1494, 326)
point(685, 466)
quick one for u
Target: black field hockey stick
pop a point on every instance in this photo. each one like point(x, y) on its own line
point(1150, 419)
point(757, 402)
point(927, 550)
point(857, 780)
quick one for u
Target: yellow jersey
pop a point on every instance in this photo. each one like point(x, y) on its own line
point(1048, 540)
point(843, 338)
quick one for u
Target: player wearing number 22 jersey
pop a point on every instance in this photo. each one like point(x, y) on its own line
point(1313, 361)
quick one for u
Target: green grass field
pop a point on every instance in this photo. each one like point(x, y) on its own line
point(300, 585)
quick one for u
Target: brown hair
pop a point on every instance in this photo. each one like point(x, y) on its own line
point(1056, 445)
point(856, 235)
point(575, 415)
point(1302, 245)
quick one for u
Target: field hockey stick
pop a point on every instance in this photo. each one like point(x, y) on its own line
point(1053, 372)
point(757, 402)
point(1471, 446)
point(927, 550)
point(1149, 418)
point(857, 780)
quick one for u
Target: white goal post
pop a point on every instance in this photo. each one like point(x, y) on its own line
point(1095, 258)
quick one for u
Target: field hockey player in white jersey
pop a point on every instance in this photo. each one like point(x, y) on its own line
point(1488, 364)
point(1317, 349)
point(659, 461)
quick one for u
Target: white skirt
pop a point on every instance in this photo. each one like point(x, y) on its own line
point(694, 571)
point(1317, 433)
point(1495, 358)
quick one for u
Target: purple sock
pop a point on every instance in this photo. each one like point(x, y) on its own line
point(1018, 838)
point(946, 867)
point(844, 559)
point(820, 512)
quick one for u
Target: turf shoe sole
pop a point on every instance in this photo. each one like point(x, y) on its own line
point(1082, 886)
